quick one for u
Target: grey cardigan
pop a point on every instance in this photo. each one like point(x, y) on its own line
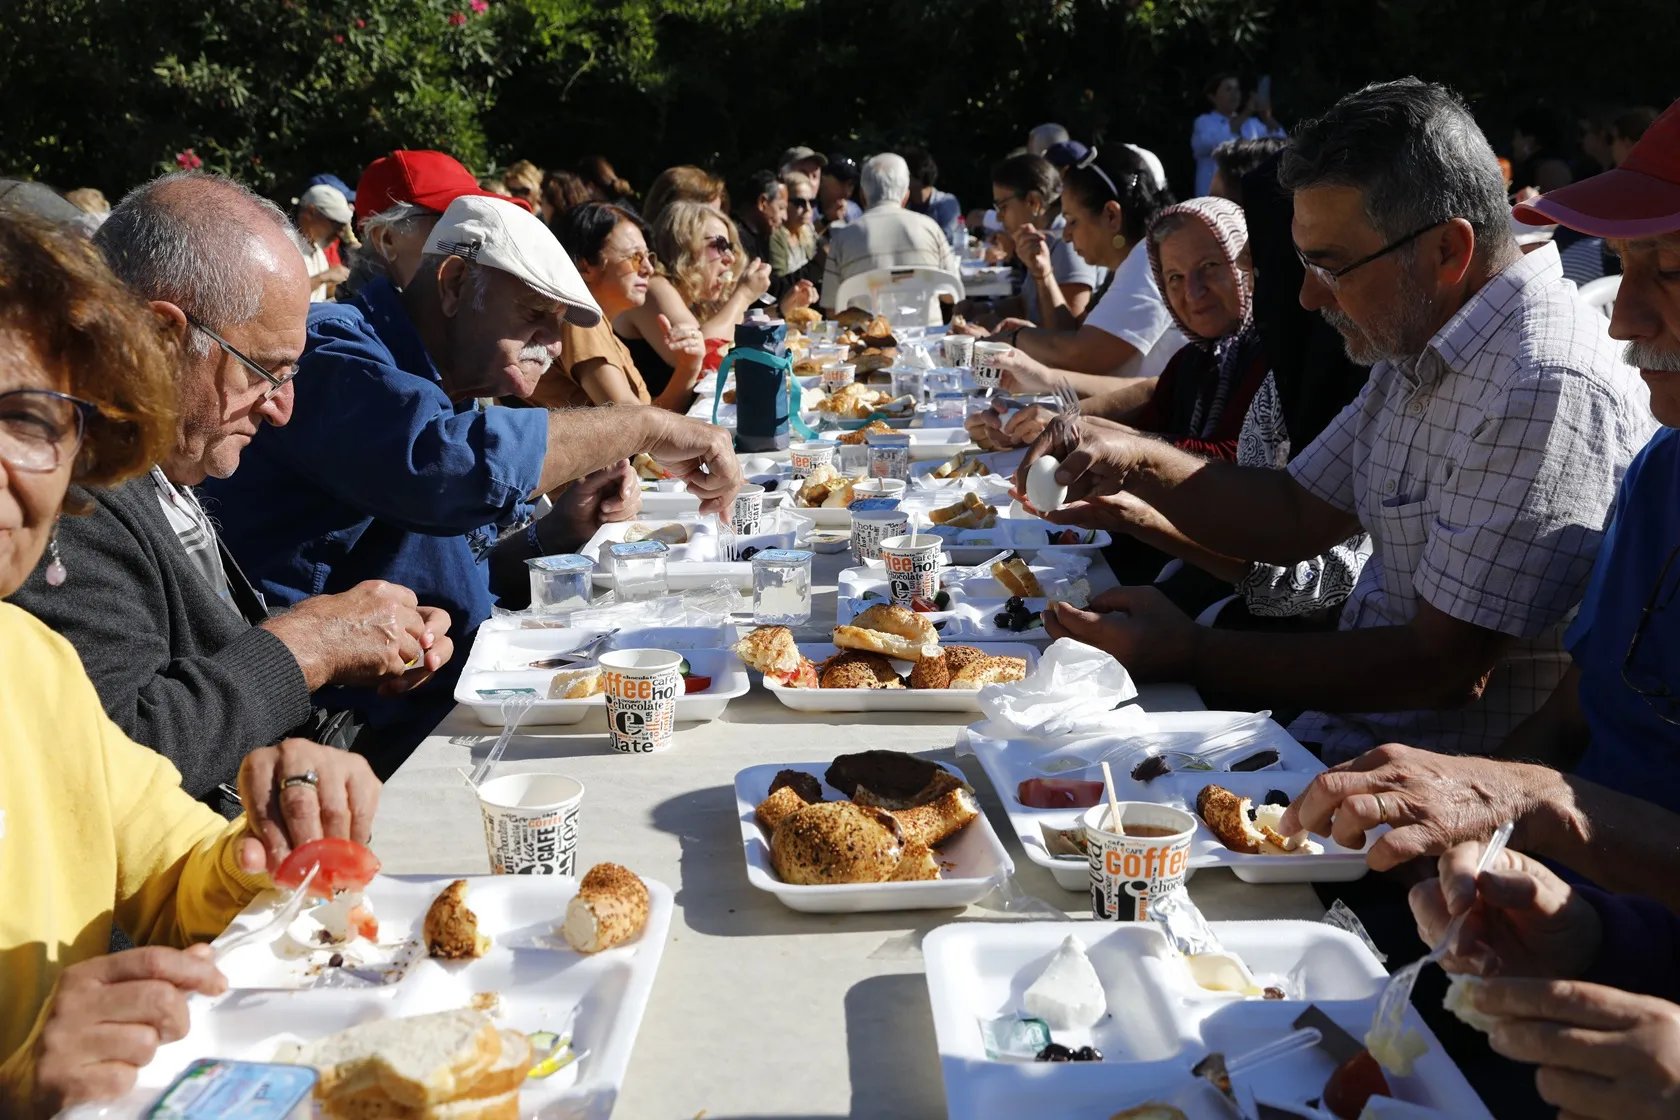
point(176, 668)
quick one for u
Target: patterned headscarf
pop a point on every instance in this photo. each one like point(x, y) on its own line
point(1224, 219)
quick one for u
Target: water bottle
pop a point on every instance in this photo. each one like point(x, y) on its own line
point(762, 374)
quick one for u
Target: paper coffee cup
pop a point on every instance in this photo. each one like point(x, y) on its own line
point(748, 510)
point(1126, 870)
point(838, 376)
point(959, 350)
point(871, 527)
point(912, 569)
point(641, 687)
point(881, 488)
point(807, 457)
point(531, 823)
point(988, 372)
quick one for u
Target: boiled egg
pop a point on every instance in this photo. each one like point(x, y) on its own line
point(1042, 492)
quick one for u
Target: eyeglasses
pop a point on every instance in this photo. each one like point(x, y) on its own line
point(717, 245)
point(275, 384)
point(641, 258)
point(40, 427)
point(1000, 203)
point(1648, 680)
point(1331, 278)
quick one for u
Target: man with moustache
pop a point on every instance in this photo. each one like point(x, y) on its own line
point(391, 469)
point(1481, 456)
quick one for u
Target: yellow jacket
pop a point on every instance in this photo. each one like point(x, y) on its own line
point(94, 828)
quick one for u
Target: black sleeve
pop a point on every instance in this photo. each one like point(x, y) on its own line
point(204, 712)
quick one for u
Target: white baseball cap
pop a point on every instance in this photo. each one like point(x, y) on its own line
point(330, 201)
point(499, 233)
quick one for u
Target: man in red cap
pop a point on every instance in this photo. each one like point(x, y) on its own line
point(398, 201)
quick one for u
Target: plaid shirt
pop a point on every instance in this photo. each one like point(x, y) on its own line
point(1483, 470)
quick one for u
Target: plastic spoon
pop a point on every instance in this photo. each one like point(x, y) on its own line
point(513, 710)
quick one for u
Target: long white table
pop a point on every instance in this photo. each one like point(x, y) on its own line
point(758, 1011)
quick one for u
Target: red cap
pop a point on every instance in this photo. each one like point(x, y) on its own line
point(429, 179)
point(1641, 198)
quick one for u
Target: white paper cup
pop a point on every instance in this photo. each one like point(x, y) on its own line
point(871, 527)
point(531, 823)
point(881, 488)
point(912, 569)
point(748, 510)
point(1127, 870)
point(959, 350)
point(988, 372)
point(641, 687)
point(808, 456)
point(838, 376)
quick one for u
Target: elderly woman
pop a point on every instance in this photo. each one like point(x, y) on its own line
point(1108, 200)
point(609, 246)
point(702, 283)
point(98, 829)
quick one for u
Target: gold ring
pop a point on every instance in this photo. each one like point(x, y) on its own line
point(1382, 810)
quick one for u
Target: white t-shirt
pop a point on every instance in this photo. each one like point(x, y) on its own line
point(315, 262)
point(1133, 311)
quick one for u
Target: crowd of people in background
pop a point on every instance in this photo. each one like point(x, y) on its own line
point(1369, 459)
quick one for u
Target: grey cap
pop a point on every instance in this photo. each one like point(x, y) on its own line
point(795, 154)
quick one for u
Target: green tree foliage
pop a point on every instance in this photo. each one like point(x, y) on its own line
point(107, 92)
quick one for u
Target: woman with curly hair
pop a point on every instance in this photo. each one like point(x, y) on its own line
point(704, 283)
point(99, 830)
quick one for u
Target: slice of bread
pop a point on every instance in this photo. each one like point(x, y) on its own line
point(491, 1097)
point(418, 1061)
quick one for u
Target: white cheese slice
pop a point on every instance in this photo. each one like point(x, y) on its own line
point(1067, 995)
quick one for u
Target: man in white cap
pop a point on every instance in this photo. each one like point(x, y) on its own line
point(391, 470)
point(323, 215)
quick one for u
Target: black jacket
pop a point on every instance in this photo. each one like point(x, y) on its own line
point(176, 668)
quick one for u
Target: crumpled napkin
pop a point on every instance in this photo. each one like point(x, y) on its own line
point(1073, 691)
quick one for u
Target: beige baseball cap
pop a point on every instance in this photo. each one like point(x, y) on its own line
point(498, 233)
point(330, 201)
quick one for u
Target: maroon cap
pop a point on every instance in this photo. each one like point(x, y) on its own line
point(429, 179)
point(1641, 198)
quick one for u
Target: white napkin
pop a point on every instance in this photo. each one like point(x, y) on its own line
point(1073, 691)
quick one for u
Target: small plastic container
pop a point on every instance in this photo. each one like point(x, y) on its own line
point(639, 570)
point(560, 583)
point(889, 456)
point(950, 409)
point(907, 381)
point(782, 587)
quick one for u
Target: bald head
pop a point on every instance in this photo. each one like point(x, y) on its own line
point(205, 243)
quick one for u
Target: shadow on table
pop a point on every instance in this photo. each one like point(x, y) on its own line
point(764, 713)
point(538, 743)
point(890, 1048)
point(714, 894)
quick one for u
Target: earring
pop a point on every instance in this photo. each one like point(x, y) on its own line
point(56, 572)
point(1119, 241)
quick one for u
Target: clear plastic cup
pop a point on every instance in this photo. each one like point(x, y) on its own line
point(889, 456)
point(639, 570)
point(560, 583)
point(782, 587)
point(531, 823)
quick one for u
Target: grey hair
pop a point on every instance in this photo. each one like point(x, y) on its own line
point(185, 238)
point(1044, 137)
point(1168, 224)
point(1415, 153)
point(884, 178)
point(402, 219)
point(475, 285)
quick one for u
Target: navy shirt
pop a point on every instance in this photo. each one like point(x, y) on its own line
point(1632, 749)
point(380, 476)
point(943, 208)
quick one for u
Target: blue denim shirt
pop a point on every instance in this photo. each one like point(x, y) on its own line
point(379, 475)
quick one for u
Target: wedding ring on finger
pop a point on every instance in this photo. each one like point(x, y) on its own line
point(1382, 810)
point(307, 778)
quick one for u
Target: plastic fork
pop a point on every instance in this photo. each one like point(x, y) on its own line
point(275, 925)
point(1398, 992)
point(585, 652)
point(1068, 399)
point(513, 710)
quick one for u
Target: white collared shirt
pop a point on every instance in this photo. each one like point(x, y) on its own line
point(1484, 471)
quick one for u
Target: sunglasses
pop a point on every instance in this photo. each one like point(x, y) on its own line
point(801, 203)
point(718, 246)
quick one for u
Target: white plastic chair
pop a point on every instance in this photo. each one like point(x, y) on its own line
point(1600, 294)
point(881, 289)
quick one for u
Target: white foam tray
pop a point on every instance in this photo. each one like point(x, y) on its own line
point(975, 603)
point(681, 572)
point(1009, 762)
point(890, 699)
point(972, 861)
point(538, 978)
point(498, 654)
point(1159, 1022)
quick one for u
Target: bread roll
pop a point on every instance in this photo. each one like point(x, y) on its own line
point(610, 907)
point(836, 842)
point(451, 929)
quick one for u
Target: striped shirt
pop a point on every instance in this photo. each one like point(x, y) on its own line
point(1483, 471)
point(196, 534)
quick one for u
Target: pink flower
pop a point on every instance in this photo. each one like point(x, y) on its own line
point(456, 19)
point(479, 7)
point(361, 23)
point(338, 38)
point(188, 160)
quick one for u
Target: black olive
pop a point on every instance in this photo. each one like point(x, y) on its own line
point(772, 484)
point(1276, 797)
point(1087, 1054)
point(1055, 1052)
point(1150, 768)
point(749, 553)
point(336, 960)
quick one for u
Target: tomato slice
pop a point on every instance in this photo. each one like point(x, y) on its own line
point(1355, 1081)
point(365, 923)
point(345, 866)
point(696, 684)
point(1059, 793)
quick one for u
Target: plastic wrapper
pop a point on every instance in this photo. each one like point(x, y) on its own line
point(1180, 919)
